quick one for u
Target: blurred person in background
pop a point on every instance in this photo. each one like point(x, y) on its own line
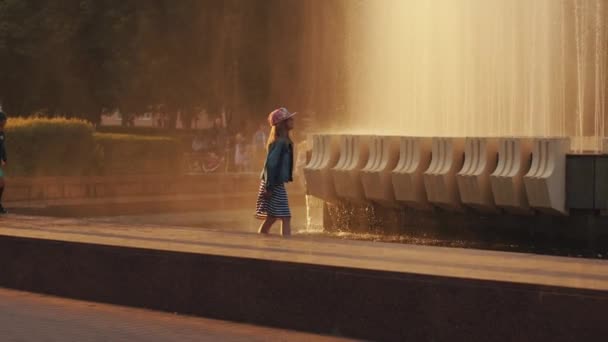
point(220, 140)
point(258, 146)
point(241, 154)
point(199, 150)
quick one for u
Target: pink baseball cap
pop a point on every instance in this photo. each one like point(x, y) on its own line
point(279, 115)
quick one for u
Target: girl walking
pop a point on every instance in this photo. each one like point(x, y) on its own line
point(272, 203)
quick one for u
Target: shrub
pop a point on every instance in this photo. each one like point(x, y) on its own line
point(69, 147)
point(182, 136)
point(49, 147)
point(137, 154)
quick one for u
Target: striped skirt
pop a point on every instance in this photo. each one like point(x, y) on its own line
point(276, 205)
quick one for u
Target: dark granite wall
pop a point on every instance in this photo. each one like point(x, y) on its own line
point(364, 304)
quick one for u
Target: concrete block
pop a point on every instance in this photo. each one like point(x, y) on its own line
point(587, 181)
point(580, 181)
point(440, 178)
point(354, 151)
point(53, 191)
point(514, 159)
point(601, 182)
point(325, 155)
point(376, 175)
point(75, 190)
point(545, 182)
point(480, 158)
point(407, 177)
point(17, 193)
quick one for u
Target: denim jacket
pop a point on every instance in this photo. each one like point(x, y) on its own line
point(278, 168)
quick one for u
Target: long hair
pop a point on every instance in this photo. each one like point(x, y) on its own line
point(278, 131)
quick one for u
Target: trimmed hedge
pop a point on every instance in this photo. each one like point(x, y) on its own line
point(138, 154)
point(49, 147)
point(182, 136)
point(70, 147)
point(150, 131)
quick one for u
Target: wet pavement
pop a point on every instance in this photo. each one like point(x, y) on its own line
point(239, 220)
point(311, 249)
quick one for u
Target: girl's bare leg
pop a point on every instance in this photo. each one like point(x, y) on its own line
point(286, 226)
point(268, 222)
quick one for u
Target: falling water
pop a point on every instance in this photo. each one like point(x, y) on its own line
point(478, 68)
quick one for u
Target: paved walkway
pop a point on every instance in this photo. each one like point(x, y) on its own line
point(31, 317)
point(450, 262)
point(241, 220)
point(123, 200)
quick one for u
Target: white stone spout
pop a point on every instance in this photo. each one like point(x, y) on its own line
point(440, 178)
point(408, 175)
point(546, 181)
point(514, 157)
point(325, 154)
point(376, 175)
point(354, 151)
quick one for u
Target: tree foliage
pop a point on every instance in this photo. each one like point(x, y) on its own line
point(80, 58)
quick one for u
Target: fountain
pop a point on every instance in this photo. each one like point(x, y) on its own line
point(471, 107)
